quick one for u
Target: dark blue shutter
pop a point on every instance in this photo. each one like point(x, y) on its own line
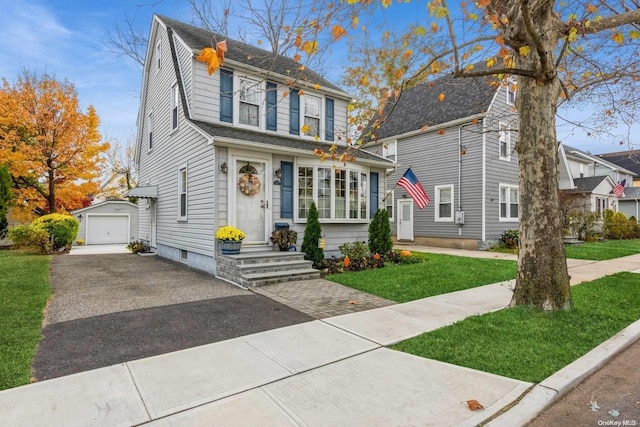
point(294, 112)
point(328, 121)
point(226, 96)
point(373, 194)
point(272, 109)
point(286, 190)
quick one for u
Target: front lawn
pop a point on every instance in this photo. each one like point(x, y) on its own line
point(530, 345)
point(24, 290)
point(437, 274)
point(599, 251)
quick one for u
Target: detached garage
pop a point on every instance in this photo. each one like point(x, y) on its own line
point(108, 222)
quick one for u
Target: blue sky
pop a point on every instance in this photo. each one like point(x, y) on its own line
point(66, 39)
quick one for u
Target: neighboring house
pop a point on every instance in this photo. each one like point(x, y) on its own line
point(629, 204)
point(108, 222)
point(237, 148)
point(629, 159)
point(461, 148)
point(588, 180)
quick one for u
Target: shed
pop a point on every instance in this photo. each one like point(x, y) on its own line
point(108, 222)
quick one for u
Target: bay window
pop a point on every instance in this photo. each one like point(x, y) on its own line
point(340, 194)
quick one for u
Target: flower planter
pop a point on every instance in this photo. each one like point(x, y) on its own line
point(230, 247)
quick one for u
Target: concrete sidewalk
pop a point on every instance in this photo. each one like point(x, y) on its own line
point(330, 372)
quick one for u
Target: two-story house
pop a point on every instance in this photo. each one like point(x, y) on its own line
point(588, 181)
point(237, 148)
point(458, 136)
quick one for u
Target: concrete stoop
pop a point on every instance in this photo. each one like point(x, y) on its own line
point(265, 268)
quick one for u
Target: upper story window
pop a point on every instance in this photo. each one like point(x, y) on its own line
point(150, 126)
point(249, 98)
point(182, 193)
point(444, 203)
point(511, 92)
point(504, 141)
point(340, 194)
point(509, 205)
point(312, 110)
point(390, 150)
point(174, 106)
point(158, 55)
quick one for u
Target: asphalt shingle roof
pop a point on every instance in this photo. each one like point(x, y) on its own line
point(629, 159)
point(198, 38)
point(588, 184)
point(420, 105)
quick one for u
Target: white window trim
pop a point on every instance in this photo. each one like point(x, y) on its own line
point(389, 201)
point(175, 104)
point(150, 137)
point(509, 187)
point(158, 56)
point(322, 118)
point(333, 219)
point(183, 167)
point(436, 209)
point(503, 129)
point(390, 148)
point(262, 102)
point(509, 90)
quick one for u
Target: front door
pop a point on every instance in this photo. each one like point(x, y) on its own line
point(405, 219)
point(252, 201)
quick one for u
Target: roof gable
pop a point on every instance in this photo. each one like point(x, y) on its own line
point(629, 159)
point(198, 38)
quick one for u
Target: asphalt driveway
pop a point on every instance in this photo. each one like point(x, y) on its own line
point(113, 308)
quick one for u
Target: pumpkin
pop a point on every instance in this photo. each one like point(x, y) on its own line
point(347, 261)
point(405, 253)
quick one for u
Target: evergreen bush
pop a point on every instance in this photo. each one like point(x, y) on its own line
point(380, 233)
point(312, 235)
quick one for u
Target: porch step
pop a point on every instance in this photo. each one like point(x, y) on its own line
point(251, 269)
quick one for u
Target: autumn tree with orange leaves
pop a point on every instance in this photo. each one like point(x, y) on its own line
point(51, 147)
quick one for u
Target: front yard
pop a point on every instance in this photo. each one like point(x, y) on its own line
point(436, 274)
point(600, 251)
point(24, 291)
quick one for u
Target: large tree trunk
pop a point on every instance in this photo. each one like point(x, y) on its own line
point(543, 279)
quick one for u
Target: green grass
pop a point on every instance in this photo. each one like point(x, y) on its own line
point(603, 250)
point(437, 274)
point(530, 345)
point(24, 290)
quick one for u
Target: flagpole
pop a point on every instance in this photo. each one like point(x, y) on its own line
point(394, 187)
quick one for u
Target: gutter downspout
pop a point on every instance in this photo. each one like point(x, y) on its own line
point(483, 235)
point(460, 171)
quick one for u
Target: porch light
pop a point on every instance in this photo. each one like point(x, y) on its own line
point(224, 168)
point(278, 173)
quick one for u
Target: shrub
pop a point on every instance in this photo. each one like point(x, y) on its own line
point(510, 238)
point(581, 223)
point(30, 238)
point(312, 235)
point(61, 228)
point(138, 246)
point(380, 233)
point(354, 250)
point(616, 226)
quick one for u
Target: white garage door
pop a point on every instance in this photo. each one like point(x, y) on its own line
point(107, 229)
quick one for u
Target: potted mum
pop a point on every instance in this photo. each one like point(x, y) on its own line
point(230, 239)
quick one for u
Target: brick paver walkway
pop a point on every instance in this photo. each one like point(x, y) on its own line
point(321, 298)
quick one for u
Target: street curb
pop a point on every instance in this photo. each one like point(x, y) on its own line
point(557, 385)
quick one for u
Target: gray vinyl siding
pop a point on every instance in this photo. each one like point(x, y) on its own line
point(172, 149)
point(499, 171)
point(434, 160)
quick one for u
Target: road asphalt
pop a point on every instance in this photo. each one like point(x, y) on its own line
point(332, 371)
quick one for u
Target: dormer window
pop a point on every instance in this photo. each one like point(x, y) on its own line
point(249, 102)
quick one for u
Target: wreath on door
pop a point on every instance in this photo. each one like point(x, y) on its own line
point(249, 184)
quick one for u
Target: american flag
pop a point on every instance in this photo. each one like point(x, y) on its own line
point(411, 184)
point(618, 190)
